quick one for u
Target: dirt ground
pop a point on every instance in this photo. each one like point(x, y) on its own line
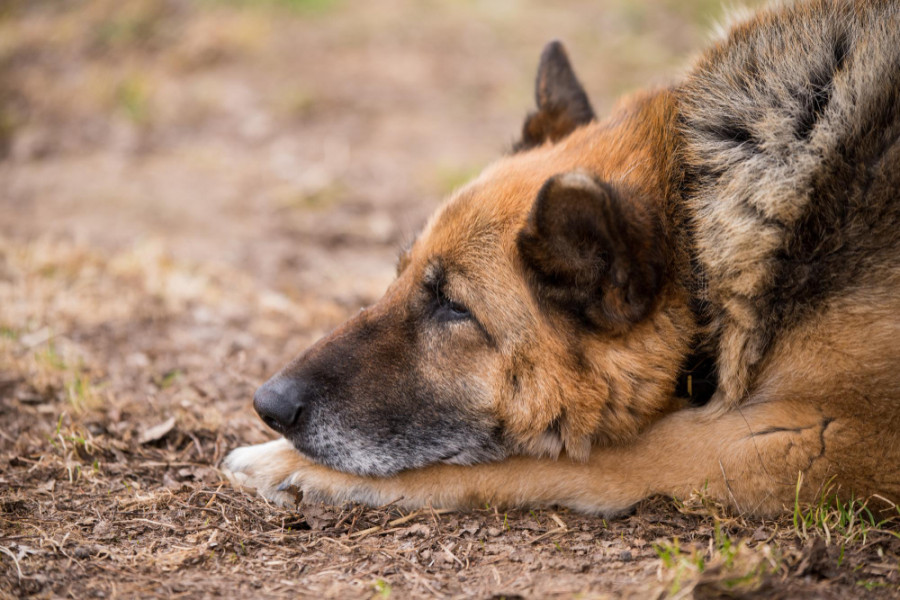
point(191, 192)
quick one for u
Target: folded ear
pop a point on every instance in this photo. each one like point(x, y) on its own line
point(562, 103)
point(590, 254)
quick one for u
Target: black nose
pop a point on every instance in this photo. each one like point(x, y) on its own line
point(279, 402)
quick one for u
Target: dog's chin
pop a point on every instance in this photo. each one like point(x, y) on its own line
point(365, 447)
point(368, 458)
point(356, 463)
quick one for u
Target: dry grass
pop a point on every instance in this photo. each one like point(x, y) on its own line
point(192, 193)
point(110, 487)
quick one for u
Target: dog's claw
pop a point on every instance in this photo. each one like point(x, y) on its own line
point(292, 490)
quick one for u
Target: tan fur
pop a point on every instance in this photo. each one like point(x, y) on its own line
point(809, 385)
point(478, 235)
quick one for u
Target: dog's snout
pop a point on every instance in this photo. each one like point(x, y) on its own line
point(279, 402)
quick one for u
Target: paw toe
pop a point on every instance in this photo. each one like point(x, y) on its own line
point(262, 469)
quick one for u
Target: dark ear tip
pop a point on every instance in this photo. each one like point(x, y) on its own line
point(554, 57)
point(562, 102)
point(553, 49)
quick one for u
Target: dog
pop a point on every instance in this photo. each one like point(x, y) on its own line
point(701, 291)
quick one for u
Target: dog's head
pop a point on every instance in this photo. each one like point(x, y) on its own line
point(534, 313)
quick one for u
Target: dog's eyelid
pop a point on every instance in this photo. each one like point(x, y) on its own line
point(435, 272)
point(436, 284)
point(448, 310)
point(435, 279)
point(438, 293)
point(450, 303)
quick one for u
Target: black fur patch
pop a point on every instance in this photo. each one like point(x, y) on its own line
point(698, 378)
point(731, 130)
point(817, 95)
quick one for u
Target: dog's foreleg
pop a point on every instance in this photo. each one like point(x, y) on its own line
point(750, 459)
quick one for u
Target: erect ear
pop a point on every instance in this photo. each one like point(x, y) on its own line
point(591, 254)
point(562, 103)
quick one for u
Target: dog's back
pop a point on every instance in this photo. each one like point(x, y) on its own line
point(792, 144)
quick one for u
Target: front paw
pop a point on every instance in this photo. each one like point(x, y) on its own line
point(269, 469)
point(283, 476)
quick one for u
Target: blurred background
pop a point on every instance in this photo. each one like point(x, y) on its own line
point(298, 140)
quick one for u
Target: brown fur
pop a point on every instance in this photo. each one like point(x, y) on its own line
point(539, 324)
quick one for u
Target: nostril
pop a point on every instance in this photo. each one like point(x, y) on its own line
point(272, 423)
point(279, 402)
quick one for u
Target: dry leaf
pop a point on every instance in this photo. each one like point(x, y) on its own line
point(157, 432)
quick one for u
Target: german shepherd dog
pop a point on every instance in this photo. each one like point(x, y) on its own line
point(700, 292)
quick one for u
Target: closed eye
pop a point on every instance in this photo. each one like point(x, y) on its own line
point(446, 309)
point(443, 308)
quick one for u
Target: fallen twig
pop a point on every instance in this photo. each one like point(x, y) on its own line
point(396, 522)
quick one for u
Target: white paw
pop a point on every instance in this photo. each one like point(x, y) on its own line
point(266, 469)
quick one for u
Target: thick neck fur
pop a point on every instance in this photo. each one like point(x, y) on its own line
point(618, 384)
point(787, 122)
